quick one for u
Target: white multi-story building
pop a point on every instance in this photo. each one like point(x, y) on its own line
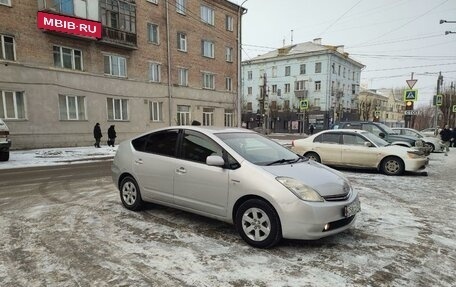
point(323, 75)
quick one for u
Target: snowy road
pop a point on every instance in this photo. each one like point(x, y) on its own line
point(73, 232)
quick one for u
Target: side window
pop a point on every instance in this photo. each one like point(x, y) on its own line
point(139, 143)
point(197, 147)
point(162, 143)
point(373, 129)
point(330, 138)
point(352, 140)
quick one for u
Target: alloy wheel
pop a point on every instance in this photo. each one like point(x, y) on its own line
point(256, 224)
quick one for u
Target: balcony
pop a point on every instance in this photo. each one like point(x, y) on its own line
point(119, 38)
point(59, 7)
point(301, 94)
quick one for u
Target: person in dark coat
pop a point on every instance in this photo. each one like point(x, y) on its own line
point(453, 137)
point(445, 135)
point(311, 129)
point(97, 134)
point(111, 136)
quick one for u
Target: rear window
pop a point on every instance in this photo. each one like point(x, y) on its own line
point(162, 143)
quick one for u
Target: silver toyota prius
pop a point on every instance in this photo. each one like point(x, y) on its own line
point(237, 176)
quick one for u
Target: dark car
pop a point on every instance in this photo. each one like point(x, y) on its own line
point(386, 133)
point(5, 142)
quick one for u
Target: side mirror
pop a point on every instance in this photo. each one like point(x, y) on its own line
point(381, 135)
point(368, 144)
point(215, 160)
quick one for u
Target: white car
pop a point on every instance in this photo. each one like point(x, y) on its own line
point(359, 149)
point(430, 132)
point(432, 142)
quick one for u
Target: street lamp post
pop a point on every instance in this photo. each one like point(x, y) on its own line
point(241, 11)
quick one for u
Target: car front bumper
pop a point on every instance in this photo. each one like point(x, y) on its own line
point(416, 164)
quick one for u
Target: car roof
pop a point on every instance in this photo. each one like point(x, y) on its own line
point(213, 130)
point(358, 131)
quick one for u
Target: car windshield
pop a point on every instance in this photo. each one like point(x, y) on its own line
point(258, 149)
point(375, 139)
point(387, 129)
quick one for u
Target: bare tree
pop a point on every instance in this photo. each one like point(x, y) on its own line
point(365, 109)
point(424, 118)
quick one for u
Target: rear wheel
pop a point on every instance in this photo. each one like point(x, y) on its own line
point(313, 156)
point(130, 194)
point(4, 155)
point(258, 223)
point(392, 166)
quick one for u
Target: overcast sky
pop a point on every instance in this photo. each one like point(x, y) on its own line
point(392, 38)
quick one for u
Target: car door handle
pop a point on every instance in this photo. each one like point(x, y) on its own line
point(139, 161)
point(181, 170)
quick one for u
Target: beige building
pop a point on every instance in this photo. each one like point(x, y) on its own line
point(384, 105)
point(68, 64)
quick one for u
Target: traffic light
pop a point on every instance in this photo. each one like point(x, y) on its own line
point(409, 105)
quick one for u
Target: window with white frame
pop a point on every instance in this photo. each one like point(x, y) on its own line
point(72, 108)
point(207, 15)
point(7, 48)
point(229, 54)
point(317, 102)
point(287, 88)
point(274, 71)
point(182, 41)
point(153, 1)
point(343, 73)
point(317, 86)
point(229, 118)
point(156, 111)
point(287, 70)
point(12, 105)
point(181, 6)
point(152, 32)
point(61, 6)
point(154, 72)
point(318, 67)
point(228, 84)
point(67, 58)
point(117, 109)
point(208, 81)
point(5, 2)
point(300, 86)
point(183, 115)
point(182, 77)
point(207, 49)
point(115, 66)
point(249, 91)
point(208, 116)
point(249, 75)
point(274, 89)
point(302, 69)
point(229, 23)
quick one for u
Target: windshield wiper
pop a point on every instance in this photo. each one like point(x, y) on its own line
point(303, 158)
point(283, 160)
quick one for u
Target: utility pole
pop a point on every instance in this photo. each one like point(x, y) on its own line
point(439, 83)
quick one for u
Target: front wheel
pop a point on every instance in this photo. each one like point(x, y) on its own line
point(430, 146)
point(392, 166)
point(4, 155)
point(130, 194)
point(313, 156)
point(258, 223)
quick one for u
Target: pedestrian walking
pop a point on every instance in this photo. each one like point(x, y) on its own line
point(111, 136)
point(97, 134)
point(311, 129)
point(445, 135)
point(453, 137)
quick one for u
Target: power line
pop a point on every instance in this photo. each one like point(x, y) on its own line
point(339, 18)
point(409, 67)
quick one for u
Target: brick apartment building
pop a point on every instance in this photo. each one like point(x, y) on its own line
point(68, 64)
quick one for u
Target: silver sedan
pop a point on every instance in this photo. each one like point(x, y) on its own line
point(237, 176)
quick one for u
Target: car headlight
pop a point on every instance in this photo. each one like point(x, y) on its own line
point(299, 189)
point(414, 154)
point(419, 143)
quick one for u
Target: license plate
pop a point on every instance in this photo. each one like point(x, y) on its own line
point(353, 208)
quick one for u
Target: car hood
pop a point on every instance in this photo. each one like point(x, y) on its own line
point(326, 181)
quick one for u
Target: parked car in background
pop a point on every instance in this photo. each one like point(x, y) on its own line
point(431, 132)
point(434, 143)
point(352, 148)
point(385, 133)
point(5, 141)
point(237, 176)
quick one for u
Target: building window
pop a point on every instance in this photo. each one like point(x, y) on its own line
point(67, 58)
point(286, 104)
point(153, 1)
point(5, 2)
point(317, 86)
point(339, 71)
point(318, 67)
point(72, 108)
point(181, 6)
point(353, 89)
point(207, 49)
point(156, 111)
point(229, 54)
point(343, 73)
point(228, 84)
point(119, 15)
point(274, 71)
point(115, 66)
point(154, 72)
point(249, 75)
point(59, 6)
point(208, 81)
point(182, 77)
point(302, 69)
point(300, 86)
point(7, 48)
point(208, 117)
point(353, 76)
point(207, 15)
point(316, 102)
point(287, 70)
point(287, 88)
point(117, 109)
point(182, 42)
point(229, 23)
point(228, 118)
point(274, 89)
point(183, 115)
point(333, 68)
point(249, 91)
point(12, 105)
point(249, 106)
point(152, 32)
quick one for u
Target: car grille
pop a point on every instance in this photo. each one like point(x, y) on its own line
point(337, 197)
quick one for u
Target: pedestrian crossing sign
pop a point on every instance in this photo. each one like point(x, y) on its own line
point(454, 109)
point(304, 104)
point(410, 95)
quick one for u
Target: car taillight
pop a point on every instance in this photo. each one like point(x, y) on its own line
point(4, 133)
